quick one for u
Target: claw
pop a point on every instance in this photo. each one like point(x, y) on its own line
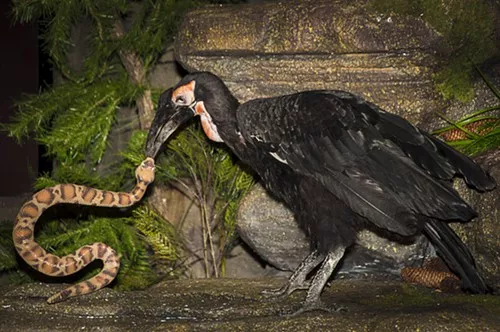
point(286, 289)
point(274, 292)
point(318, 305)
point(298, 279)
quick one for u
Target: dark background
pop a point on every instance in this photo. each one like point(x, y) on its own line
point(21, 66)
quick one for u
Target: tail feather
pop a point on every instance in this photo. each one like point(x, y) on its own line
point(431, 154)
point(473, 175)
point(456, 255)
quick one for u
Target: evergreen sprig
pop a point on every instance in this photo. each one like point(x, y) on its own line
point(486, 134)
point(82, 175)
point(215, 179)
point(231, 183)
point(160, 234)
point(73, 120)
point(153, 26)
point(134, 154)
point(209, 172)
point(7, 251)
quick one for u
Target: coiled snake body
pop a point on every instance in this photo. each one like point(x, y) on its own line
point(46, 263)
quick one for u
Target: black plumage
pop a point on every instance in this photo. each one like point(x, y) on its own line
point(340, 163)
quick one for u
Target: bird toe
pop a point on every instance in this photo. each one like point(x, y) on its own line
point(286, 289)
point(318, 306)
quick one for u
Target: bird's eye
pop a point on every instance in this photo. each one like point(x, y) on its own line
point(183, 96)
point(180, 100)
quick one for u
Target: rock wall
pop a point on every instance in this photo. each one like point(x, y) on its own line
point(277, 48)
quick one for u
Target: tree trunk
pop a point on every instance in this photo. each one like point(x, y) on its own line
point(137, 75)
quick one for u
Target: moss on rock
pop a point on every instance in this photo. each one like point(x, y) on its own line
point(467, 26)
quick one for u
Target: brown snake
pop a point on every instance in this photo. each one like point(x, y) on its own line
point(46, 263)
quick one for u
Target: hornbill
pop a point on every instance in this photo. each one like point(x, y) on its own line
point(339, 163)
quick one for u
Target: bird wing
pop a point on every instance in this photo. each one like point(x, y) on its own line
point(354, 150)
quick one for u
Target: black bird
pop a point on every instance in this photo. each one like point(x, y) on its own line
point(340, 163)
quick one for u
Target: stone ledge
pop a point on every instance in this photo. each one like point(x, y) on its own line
point(339, 26)
point(237, 305)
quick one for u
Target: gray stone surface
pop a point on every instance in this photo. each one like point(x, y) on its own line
point(243, 262)
point(306, 26)
point(237, 305)
point(268, 227)
point(167, 71)
point(275, 48)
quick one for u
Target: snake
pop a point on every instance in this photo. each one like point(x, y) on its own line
point(33, 254)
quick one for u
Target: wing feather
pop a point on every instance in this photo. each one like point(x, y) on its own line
point(378, 164)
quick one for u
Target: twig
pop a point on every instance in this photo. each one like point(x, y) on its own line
point(204, 232)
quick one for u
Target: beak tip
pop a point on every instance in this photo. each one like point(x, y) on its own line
point(151, 153)
point(150, 150)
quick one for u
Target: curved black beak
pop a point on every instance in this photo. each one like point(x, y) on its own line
point(167, 119)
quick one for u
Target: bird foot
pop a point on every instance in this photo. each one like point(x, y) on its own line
point(318, 305)
point(285, 290)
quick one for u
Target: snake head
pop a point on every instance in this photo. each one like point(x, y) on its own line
point(146, 171)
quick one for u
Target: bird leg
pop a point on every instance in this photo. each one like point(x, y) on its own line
point(298, 279)
point(313, 301)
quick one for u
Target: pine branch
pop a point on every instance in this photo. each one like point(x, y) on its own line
point(159, 233)
point(476, 132)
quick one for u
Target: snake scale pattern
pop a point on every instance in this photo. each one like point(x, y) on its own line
point(46, 263)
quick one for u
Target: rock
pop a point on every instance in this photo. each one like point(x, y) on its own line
point(166, 72)
point(237, 305)
point(268, 49)
point(269, 228)
point(482, 235)
point(243, 262)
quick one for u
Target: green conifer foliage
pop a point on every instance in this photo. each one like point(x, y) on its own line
point(480, 130)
